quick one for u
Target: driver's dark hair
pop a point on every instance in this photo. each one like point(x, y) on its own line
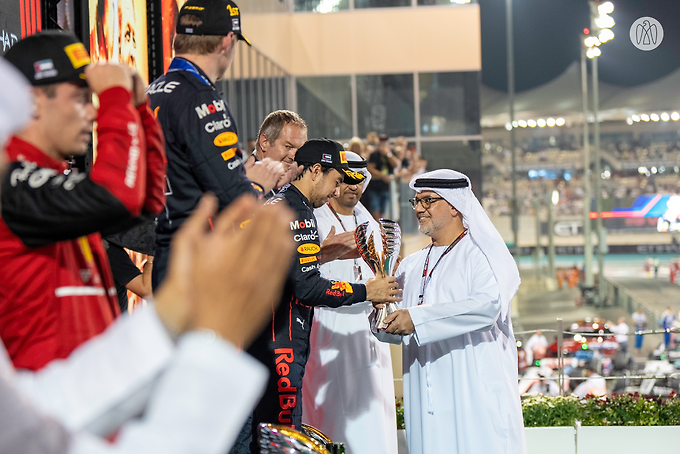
point(309, 165)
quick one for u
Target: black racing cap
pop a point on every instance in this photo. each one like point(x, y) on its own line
point(50, 57)
point(328, 153)
point(219, 17)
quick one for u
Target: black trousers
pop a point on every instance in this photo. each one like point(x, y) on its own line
point(281, 403)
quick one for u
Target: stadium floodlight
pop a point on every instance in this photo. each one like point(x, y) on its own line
point(629, 121)
point(675, 116)
point(644, 117)
point(605, 8)
point(665, 116)
point(606, 35)
point(531, 123)
point(560, 122)
point(541, 123)
point(593, 52)
point(550, 122)
point(635, 118)
point(604, 22)
point(522, 124)
point(592, 41)
point(508, 126)
point(654, 117)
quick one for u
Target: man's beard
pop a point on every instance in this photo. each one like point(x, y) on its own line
point(429, 228)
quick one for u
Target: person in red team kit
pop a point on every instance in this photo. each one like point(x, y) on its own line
point(57, 290)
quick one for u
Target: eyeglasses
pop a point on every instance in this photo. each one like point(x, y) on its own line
point(426, 202)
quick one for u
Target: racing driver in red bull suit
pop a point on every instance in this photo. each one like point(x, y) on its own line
point(284, 344)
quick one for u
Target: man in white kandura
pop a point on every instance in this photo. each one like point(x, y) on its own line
point(460, 356)
point(348, 390)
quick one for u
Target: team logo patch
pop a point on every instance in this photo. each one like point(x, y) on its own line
point(309, 248)
point(206, 109)
point(225, 139)
point(43, 69)
point(327, 158)
point(235, 26)
point(343, 158)
point(230, 153)
point(304, 224)
point(311, 259)
point(78, 55)
point(356, 175)
point(344, 286)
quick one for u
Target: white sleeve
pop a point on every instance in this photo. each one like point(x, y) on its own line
point(106, 380)
point(199, 405)
point(447, 319)
point(22, 428)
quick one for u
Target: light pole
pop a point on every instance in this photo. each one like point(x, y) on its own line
point(511, 109)
point(537, 252)
point(551, 203)
point(587, 190)
point(600, 26)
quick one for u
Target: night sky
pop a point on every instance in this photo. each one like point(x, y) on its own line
point(547, 34)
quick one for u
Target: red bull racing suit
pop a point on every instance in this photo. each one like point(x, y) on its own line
point(201, 146)
point(284, 345)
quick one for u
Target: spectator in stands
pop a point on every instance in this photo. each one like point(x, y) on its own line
point(381, 164)
point(372, 139)
point(357, 146)
point(536, 347)
point(640, 320)
point(412, 165)
point(621, 330)
point(666, 322)
point(595, 385)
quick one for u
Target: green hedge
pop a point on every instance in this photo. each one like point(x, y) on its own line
point(618, 410)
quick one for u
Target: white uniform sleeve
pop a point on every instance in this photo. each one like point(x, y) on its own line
point(23, 429)
point(106, 380)
point(198, 406)
point(447, 319)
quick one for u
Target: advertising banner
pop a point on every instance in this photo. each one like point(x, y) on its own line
point(118, 32)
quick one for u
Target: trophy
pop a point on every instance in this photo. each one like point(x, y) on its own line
point(384, 263)
point(276, 439)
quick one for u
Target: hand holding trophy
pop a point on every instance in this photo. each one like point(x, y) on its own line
point(382, 264)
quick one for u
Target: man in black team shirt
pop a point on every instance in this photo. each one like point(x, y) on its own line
point(284, 345)
point(200, 132)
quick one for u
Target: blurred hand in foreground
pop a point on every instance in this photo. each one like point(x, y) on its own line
point(227, 279)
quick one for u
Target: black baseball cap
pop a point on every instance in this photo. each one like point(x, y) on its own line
point(328, 153)
point(219, 17)
point(50, 57)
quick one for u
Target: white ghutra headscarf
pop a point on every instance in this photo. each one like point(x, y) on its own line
point(456, 189)
point(358, 164)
